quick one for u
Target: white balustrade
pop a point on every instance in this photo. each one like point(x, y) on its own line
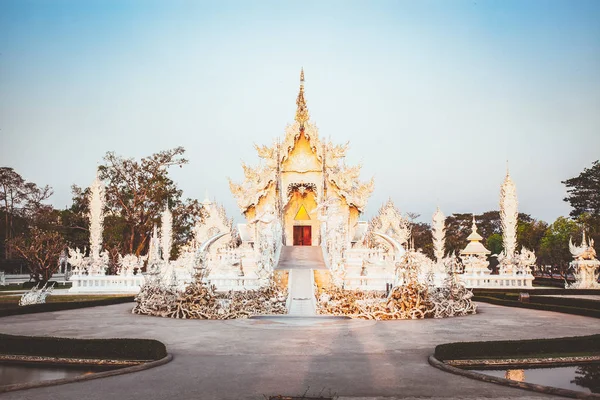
point(106, 283)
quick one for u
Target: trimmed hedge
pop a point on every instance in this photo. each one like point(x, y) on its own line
point(60, 306)
point(517, 348)
point(106, 349)
point(587, 312)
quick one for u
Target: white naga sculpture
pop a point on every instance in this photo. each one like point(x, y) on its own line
point(269, 233)
point(97, 261)
point(36, 295)
point(585, 264)
point(333, 226)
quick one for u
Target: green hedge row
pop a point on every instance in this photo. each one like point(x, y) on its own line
point(67, 305)
point(517, 348)
point(567, 301)
point(106, 349)
point(595, 313)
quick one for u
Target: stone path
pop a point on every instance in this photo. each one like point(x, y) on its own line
point(302, 295)
point(301, 261)
point(250, 359)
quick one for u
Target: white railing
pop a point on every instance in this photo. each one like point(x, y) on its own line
point(106, 283)
point(367, 282)
point(241, 283)
point(495, 281)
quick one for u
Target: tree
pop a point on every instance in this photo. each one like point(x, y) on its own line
point(584, 191)
point(20, 200)
point(421, 235)
point(41, 249)
point(136, 194)
point(554, 245)
point(584, 197)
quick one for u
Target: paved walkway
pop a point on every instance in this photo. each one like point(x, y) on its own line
point(302, 294)
point(248, 359)
point(301, 261)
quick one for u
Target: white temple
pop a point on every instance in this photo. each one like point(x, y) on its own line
point(301, 194)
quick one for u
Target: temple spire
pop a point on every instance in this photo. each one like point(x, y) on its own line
point(302, 110)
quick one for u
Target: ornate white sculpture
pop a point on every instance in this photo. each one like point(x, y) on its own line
point(509, 214)
point(36, 295)
point(97, 261)
point(96, 217)
point(335, 243)
point(585, 265)
point(215, 222)
point(389, 221)
point(130, 264)
point(438, 232)
point(154, 256)
point(166, 233)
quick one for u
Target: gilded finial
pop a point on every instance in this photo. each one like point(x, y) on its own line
point(301, 110)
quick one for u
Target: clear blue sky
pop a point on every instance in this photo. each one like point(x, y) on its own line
point(434, 96)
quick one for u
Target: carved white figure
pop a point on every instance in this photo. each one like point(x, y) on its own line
point(130, 264)
point(585, 265)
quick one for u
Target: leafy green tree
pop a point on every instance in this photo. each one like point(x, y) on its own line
point(137, 192)
point(554, 245)
point(584, 191)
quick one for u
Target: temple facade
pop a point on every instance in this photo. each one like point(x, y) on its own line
point(299, 177)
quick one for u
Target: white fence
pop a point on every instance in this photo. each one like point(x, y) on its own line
point(106, 284)
point(497, 281)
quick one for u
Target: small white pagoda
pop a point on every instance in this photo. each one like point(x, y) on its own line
point(474, 258)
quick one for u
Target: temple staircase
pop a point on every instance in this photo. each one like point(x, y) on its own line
point(301, 261)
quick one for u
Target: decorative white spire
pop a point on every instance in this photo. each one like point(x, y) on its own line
point(97, 201)
point(509, 214)
point(438, 232)
point(166, 233)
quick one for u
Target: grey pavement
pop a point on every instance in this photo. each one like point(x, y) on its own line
point(250, 359)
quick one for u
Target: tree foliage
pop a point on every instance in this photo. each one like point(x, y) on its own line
point(41, 249)
point(554, 245)
point(21, 201)
point(136, 194)
point(584, 191)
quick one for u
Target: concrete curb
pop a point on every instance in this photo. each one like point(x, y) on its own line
point(507, 382)
point(80, 378)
